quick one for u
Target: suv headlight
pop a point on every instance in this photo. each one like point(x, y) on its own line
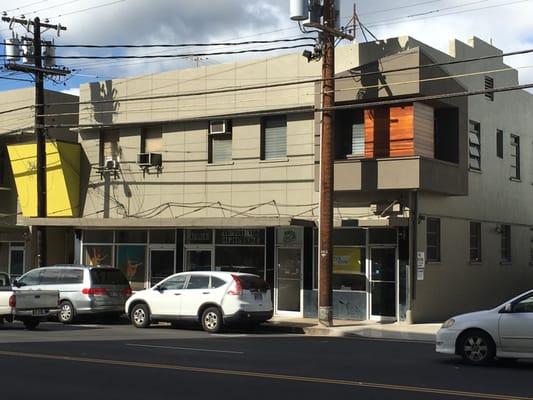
point(448, 324)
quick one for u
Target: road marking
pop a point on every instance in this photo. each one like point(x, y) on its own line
point(264, 375)
point(184, 348)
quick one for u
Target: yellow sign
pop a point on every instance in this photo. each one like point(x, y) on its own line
point(347, 260)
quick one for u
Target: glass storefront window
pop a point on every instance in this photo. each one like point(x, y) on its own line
point(163, 236)
point(349, 268)
point(199, 236)
point(97, 255)
point(349, 237)
point(130, 237)
point(131, 260)
point(98, 236)
point(245, 236)
point(240, 259)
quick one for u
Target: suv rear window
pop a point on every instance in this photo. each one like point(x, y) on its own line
point(108, 276)
point(250, 282)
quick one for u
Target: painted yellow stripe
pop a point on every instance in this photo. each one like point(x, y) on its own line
point(264, 375)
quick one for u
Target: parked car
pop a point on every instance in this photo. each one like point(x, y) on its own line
point(505, 332)
point(82, 289)
point(28, 307)
point(214, 299)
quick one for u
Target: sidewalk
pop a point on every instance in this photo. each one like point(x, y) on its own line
point(369, 329)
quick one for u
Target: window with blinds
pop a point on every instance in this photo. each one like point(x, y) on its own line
point(274, 138)
point(358, 139)
point(489, 84)
point(152, 140)
point(474, 145)
point(109, 143)
point(220, 147)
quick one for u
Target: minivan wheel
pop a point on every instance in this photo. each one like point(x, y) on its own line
point(66, 312)
point(212, 320)
point(140, 316)
point(477, 348)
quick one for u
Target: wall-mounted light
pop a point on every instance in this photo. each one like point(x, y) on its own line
point(421, 218)
point(499, 229)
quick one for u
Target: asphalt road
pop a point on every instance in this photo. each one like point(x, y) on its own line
point(120, 362)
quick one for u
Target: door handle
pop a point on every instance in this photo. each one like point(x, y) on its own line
point(206, 292)
point(177, 294)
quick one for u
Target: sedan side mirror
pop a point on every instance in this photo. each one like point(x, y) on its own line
point(16, 283)
point(508, 308)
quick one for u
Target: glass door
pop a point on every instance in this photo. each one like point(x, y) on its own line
point(161, 264)
point(288, 281)
point(198, 260)
point(383, 283)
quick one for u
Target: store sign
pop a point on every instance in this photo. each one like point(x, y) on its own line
point(240, 236)
point(290, 236)
point(420, 265)
point(347, 260)
point(199, 236)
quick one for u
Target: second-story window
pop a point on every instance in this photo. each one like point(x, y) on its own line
point(515, 157)
point(475, 241)
point(109, 146)
point(489, 84)
point(506, 243)
point(152, 140)
point(274, 138)
point(220, 141)
point(358, 139)
point(499, 143)
point(433, 239)
point(474, 144)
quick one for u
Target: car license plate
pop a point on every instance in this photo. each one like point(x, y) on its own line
point(39, 312)
point(258, 296)
point(114, 294)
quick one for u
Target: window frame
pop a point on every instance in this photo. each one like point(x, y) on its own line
point(489, 84)
point(515, 155)
point(264, 122)
point(472, 144)
point(499, 143)
point(505, 244)
point(437, 245)
point(211, 148)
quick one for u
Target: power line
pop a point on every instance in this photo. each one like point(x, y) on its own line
point(15, 79)
point(88, 9)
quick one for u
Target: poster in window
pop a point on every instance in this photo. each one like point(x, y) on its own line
point(347, 260)
point(131, 260)
point(98, 255)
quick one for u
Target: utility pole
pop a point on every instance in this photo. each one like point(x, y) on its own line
point(302, 10)
point(39, 72)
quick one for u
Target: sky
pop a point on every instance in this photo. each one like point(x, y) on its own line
point(507, 23)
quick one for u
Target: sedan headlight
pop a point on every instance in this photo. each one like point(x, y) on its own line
point(448, 324)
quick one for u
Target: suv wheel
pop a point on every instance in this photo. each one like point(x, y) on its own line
point(66, 312)
point(212, 320)
point(477, 348)
point(140, 316)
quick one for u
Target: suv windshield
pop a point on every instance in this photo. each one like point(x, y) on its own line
point(108, 276)
point(254, 283)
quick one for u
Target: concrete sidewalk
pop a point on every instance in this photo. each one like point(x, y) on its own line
point(369, 329)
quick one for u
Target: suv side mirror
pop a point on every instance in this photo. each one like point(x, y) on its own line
point(160, 288)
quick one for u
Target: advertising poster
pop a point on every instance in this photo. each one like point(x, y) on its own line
point(131, 261)
point(98, 255)
point(347, 260)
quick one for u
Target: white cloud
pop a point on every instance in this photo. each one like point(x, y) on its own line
point(72, 91)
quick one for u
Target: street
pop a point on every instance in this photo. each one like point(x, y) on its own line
point(117, 361)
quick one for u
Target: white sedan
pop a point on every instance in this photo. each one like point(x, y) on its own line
point(505, 332)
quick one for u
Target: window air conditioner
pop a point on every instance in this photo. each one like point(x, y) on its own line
point(219, 126)
point(111, 164)
point(145, 160)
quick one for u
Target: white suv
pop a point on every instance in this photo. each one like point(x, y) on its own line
point(213, 298)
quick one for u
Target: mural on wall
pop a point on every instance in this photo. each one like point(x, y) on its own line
point(131, 261)
point(98, 255)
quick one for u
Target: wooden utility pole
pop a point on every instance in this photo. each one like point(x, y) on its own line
point(325, 310)
point(39, 72)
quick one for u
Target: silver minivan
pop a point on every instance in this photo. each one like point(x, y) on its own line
point(83, 289)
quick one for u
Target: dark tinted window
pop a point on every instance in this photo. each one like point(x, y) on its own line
point(98, 236)
point(175, 283)
point(198, 282)
point(250, 282)
point(108, 276)
point(50, 276)
point(130, 237)
point(217, 282)
point(348, 237)
point(71, 276)
point(31, 278)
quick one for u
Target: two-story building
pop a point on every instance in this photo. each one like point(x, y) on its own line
point(217, 168)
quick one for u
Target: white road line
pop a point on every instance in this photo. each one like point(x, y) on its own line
point(184, 348)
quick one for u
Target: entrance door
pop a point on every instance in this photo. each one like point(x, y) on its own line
point(161, 264)
point(383, 283)
point(198, 260)
point(16, 261)
point(289, 281)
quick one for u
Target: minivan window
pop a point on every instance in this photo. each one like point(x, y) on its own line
point(31, 278)
point(251, 282)
point(71, 276)
point(50, 276)
point(108, 276)
point(198, 282)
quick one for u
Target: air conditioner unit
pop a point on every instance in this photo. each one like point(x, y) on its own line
point(149, 160)
point(219, 126)
point(111, 164)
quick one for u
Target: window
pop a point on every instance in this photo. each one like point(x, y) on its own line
point(349, 270)
point(433, 239)
point(31, 278)
point(50, 276)
point(531, 245)
point(174, 283)
point(274, 138)
point(489, 84)
point(217, 282)
point(73, 276)
point(475, 241)
point(220, 147)
point(358, 139)
point(506, 243)
point(152, 139)
point(524, 305)
point(515, 157)
point(107, 276)
point(499, 143)
point(474, 144)
point(109, 145)
point(198, 282)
